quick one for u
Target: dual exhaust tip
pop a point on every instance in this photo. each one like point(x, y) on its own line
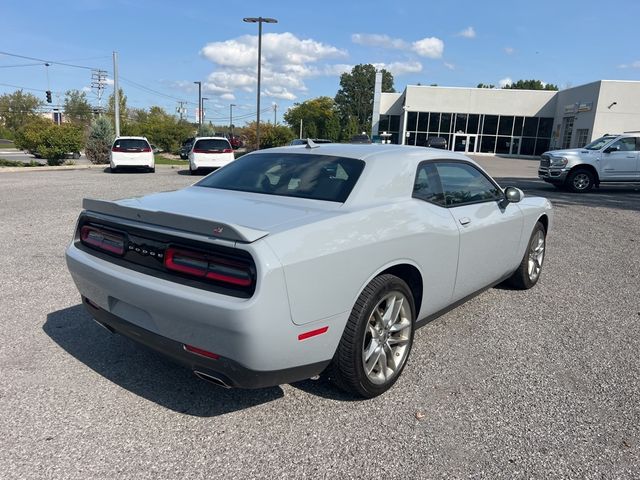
point(211, 379)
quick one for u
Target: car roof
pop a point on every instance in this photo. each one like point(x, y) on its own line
point(126, 137)
point(390, 169)
point(209, 138)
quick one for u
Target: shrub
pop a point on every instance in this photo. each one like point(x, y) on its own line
point(99, 141)
point(59, 140)
point(31, 135)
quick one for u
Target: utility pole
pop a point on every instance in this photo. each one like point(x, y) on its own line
point(231, 105)
point(199, 106)
point(275, 114)
point(116, 93)
point(300, 128)
point(180, 109)
point(98, 81)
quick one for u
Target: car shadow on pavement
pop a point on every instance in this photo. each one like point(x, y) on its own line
point(615, 196)
point(145, 372)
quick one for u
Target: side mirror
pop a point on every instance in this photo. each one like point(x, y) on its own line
point(511, 195)
point(612, 149)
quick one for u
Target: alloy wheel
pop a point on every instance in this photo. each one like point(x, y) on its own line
point(536, 255)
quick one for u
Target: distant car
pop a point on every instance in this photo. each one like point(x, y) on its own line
point(235, 141)
point(437, 142)
point(186, 148)
point(132, 152)
point(611, 158)
point(291, 260)
point(303, 141)
point(209, 152)
point(155, 149)
point(360, 138)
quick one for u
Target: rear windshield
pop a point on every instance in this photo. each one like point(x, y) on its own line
point(319, 177)
point(212, 145)
point(131, 144)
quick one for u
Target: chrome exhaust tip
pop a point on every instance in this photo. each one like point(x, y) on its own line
point(211, 379)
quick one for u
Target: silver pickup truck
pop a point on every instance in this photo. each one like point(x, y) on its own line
point(612, 158)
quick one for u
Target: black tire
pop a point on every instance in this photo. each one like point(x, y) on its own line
point(580, 180)
point(191, 170)
point(113, 169)
point(347, 369)
point(76, 155)
point(523, 278)
point(152, 169)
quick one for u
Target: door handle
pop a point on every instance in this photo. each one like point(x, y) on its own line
point(464, 221)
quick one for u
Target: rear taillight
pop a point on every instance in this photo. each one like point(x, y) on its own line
point(206, 266)
point(117, 149)
point(145, 149)
point(101, 239)
point(227, 150)
point(198, 150)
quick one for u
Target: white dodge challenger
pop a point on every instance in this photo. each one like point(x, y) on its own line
point(293, 261)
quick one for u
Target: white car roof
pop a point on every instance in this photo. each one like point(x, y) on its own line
point(125, 137)
point(210, 138)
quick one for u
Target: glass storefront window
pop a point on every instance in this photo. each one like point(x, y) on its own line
point(530, 127)
point(423, 122)
point(394, 123)
point(505, 126)
point(503, 145)
point(527, 146)
point(412, 120)
point(434, 122)
point(445, 123)
point(421, 139)
point(517, 126)
point(542, 145)
point(490, 125)
point(488, 143)
point(411, 139)
point(461, 123)
point(545, 127)
point(472, 125)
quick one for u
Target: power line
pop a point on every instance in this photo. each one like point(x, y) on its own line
point(25, 88)
point(151, 90)
point(46, 61)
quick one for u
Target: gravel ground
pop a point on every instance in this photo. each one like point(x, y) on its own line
point(542, 383)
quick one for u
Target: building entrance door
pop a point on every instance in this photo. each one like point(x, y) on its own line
point(464, 143)
point(515, 146)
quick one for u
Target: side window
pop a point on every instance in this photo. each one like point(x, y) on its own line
point(463, 183)
point(627, 144)
point(427, 185)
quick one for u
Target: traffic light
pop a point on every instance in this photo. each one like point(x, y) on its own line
point(48, 96)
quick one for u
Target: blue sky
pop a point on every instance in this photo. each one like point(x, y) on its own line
point(165, 46)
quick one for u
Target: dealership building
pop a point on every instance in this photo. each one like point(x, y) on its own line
point(505, 121)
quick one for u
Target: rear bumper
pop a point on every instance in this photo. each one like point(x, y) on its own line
point(229, 372)
point(145, 161)
point(210, 161)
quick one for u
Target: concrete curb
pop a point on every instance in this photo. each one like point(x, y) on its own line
point(47, 168)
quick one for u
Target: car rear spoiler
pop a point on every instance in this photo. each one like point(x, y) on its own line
point(186, 223)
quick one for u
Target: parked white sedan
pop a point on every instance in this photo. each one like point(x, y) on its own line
point(293, 261)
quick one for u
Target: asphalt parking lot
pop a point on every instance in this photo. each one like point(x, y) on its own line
point(537, 384)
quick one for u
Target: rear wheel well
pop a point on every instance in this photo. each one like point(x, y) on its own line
point(412, 277)
point(544, 220)
point(588, 167)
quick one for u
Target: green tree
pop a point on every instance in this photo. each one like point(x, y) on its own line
point(77, 109)
point(31, 135)
point(111, 108)
point(485, 85)
point(319, 118)
point(355, 97)
point(17, 109)
point(531, 85)
point(99, 141)
point(270, 135)
point(160, 128)
point(58, 141)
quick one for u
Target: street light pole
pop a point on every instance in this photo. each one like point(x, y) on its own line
point(231, 105)
point(259, 21)
point(199, 106)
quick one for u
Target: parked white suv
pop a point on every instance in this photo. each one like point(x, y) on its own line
point(209, 152)
point(612, 158)
point(132, 152)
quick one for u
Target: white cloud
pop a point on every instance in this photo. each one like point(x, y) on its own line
point(108, 81)
point(86, 89)
point(635, 64)
point(378, 40)
point(504, 82)
point(400, 68)
point(468, 32)
point(450, 66)
point(430, 47)
point(509, 50)
point(286, 61)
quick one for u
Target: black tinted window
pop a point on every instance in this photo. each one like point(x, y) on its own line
point(463, 183)
point(427, 185)
point(212, 145)
point(319, 177)
point(131, 144)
